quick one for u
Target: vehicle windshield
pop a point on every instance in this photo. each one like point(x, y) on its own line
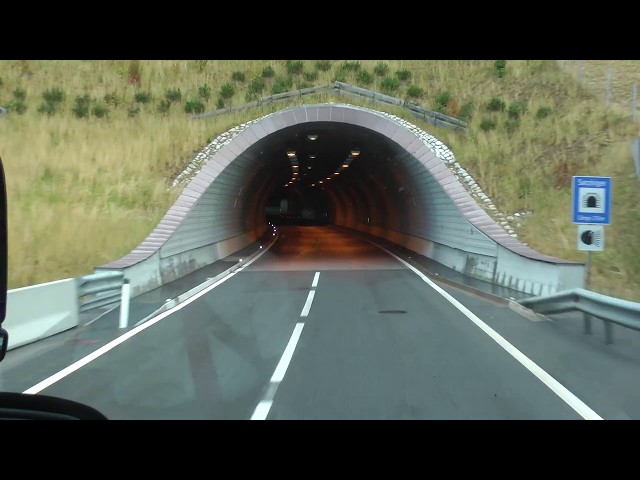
point(322, 240)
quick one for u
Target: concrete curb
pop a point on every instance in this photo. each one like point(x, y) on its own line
point(198, 288)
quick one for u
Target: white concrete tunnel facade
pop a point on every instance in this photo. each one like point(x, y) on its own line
point(409, 196)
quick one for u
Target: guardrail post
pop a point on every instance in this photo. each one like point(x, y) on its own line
point(587, 324)
point(124, 303)
point(608, 332)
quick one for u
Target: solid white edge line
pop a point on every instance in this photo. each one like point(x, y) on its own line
point(307, 304)
point(316, 277)
point(569, 398)
point(105, 348)
point(283, 364)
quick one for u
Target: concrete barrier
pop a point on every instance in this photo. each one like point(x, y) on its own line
point(39, 311)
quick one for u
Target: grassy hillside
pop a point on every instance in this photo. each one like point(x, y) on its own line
point(91, 147)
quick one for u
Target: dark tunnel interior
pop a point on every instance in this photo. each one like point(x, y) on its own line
point(315, 166)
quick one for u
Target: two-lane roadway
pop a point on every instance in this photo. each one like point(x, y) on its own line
point(326, 325)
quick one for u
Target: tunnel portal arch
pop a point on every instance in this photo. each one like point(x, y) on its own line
point(399, 187)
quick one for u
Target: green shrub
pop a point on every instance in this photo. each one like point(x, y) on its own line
point(164, 106)
point(133, 111)
point(173, 95)
point(100, 111)
point(194, 106)
point(238, 77)
point(487, 124)
point(323, 65)
point(220, 103)
point(389, 85)
point(227, 91)
point(256, 85)
point(516, 109)
point(381, 69)
point(467, 111)
point(20, 94)
point(54, 95)
point(403, 75)
point(294, 67)
point(543, 112)
point(414, 91)
point(142, 97)
point(496, 105)
point(281, 85)
point(350, 66)
point(311, 76)
point(442, 102)
point(81, 106)
point(16, 106)
point(500, 67)
point(204, 91)
point(112, 99)
point(47, 108)
point(364, 77)
point(268, 72)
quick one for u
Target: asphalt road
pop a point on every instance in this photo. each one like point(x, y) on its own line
point(325, 325)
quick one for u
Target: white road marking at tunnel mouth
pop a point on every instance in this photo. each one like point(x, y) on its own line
point(560, 390)
point(316, 277)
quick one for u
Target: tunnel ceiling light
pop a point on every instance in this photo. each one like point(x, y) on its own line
point(355, 152)
point(346, 165)
point(312, 136)
point(328, 178)
point(309, 167)
point(320, 181)
point(312, 157)
point(291, 153)
point(337, 173)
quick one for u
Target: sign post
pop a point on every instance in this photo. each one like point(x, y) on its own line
point(591, 201)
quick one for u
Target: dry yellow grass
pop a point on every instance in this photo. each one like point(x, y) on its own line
point(83, 192)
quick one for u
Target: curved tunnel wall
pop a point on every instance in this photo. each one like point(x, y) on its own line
point(410, 197)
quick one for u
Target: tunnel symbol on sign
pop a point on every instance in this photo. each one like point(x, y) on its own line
point(590, 237)
point(592, 200)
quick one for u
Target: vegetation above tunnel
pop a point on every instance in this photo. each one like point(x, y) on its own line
point(91, 148)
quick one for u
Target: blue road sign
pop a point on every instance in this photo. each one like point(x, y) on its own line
point(591, 200)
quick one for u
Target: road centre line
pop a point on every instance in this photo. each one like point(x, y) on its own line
point(307, 304)
point(262, 409)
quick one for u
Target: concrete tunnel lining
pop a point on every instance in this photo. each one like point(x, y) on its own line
point(224, 202)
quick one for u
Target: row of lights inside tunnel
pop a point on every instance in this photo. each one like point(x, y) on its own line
point(295, 166)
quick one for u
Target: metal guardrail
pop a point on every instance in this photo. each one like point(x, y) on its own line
point(99, 289)
point(435, 118)
point(609, 309)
